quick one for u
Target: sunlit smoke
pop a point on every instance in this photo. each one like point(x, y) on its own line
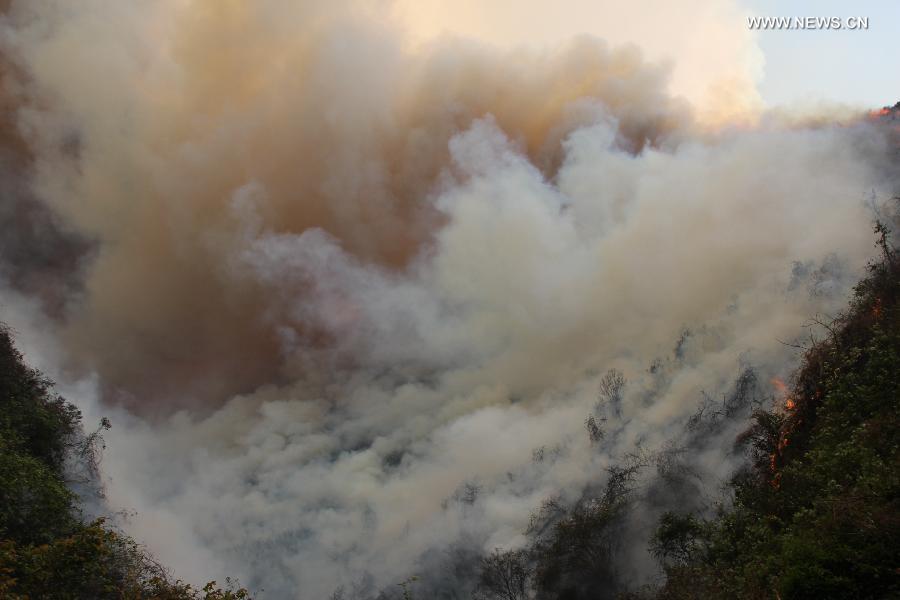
point(349, 299)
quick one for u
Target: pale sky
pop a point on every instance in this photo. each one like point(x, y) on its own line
point(847, 66)
point(708, 40)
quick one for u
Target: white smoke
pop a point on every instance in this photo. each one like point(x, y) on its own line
point(351, 305)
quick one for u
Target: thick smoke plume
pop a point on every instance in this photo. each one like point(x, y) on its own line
point(350, 301)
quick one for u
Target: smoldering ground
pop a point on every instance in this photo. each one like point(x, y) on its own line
point(349, 302)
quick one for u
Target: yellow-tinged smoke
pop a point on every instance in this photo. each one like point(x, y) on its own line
point(714, 59)
point(356, 269)
point(146, 120)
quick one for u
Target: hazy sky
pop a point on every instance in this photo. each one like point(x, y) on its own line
point(847, 66)
point(709, 40)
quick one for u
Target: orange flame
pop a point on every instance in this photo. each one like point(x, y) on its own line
point(783, 392)
point(780, 385)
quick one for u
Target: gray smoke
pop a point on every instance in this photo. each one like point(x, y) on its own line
point(350, 304)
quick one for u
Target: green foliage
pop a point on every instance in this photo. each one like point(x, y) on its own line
point(817, 512)
point(35, 504)
point(33, 420)
point(36, 429)
point(677, 538)
point(504, 576)
point(572, 549)
point(46, 551)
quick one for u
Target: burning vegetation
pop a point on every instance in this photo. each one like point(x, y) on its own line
point(890, 112)
point(349, 300)
point(816, 513)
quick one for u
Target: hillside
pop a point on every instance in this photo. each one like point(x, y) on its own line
point(46, 550)
point(816, 514)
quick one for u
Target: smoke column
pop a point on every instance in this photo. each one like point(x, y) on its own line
point(348, 295)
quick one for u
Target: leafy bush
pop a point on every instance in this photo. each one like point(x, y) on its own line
point(46, 551)
point(816, 513)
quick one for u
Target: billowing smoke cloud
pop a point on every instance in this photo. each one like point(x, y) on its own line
point(715, 62)
point(147, 121)
point(350, 303)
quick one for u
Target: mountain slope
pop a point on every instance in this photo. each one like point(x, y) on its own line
point(46, 550)
point(817, 512)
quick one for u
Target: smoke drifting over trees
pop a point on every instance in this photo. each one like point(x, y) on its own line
point(361, 310)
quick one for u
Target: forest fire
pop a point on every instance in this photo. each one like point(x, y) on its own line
point(891, 112)
point(779, 385)
point(888, 116)
point(783, 393)
point(876, 309)
point(369, 304)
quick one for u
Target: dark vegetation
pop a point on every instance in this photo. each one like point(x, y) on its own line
point(815, 512)
point(47, 550)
